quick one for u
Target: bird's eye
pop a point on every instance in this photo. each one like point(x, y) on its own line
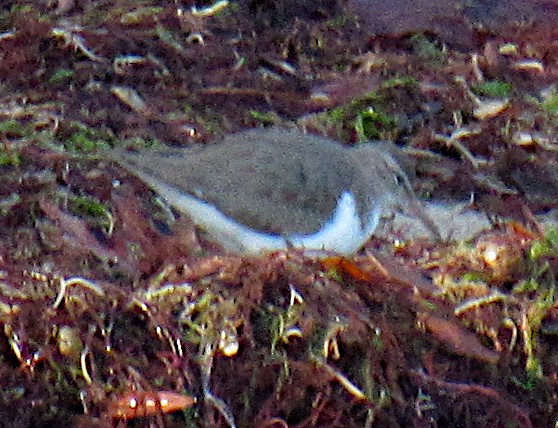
point(399, 179)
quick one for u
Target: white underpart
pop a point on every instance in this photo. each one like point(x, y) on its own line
point(343, 233)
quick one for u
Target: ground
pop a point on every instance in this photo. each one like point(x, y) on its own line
point(107, 298)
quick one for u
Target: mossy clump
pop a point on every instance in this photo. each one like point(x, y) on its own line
point(493, 89)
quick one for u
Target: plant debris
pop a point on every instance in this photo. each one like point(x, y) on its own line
point(116, 312)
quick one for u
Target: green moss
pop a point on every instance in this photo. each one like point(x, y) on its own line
point(400, 81)
point(22, 9)
point(540, 289)
point(62, 76)
point(537, 311)
point(335, 274)
point(30, 128)
point(13, 127)
point(365, 116)
point(550, 104)
point(539, 267)
point(545, 247)
point(9, 158)
point(528, 384)
point(526, 286)
point(84, 139)
point(9, 203)
point(82, 142)
point(140, 143)
point(493, 89)
point(88, 206)
point(336, 115)
point(552, 237)
point(428, 50)
point(377, 342)
point(472, 277)
point(266, 118)
point(427, 305)
point(93, 209)
point(373, 124)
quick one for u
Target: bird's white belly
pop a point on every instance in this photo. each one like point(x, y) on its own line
point(343, 233)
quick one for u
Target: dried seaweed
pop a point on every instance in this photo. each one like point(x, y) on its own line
point(115, 313)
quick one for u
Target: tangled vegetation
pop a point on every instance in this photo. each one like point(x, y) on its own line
point(115, 313)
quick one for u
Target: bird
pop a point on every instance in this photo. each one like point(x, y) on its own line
point(273, 189)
